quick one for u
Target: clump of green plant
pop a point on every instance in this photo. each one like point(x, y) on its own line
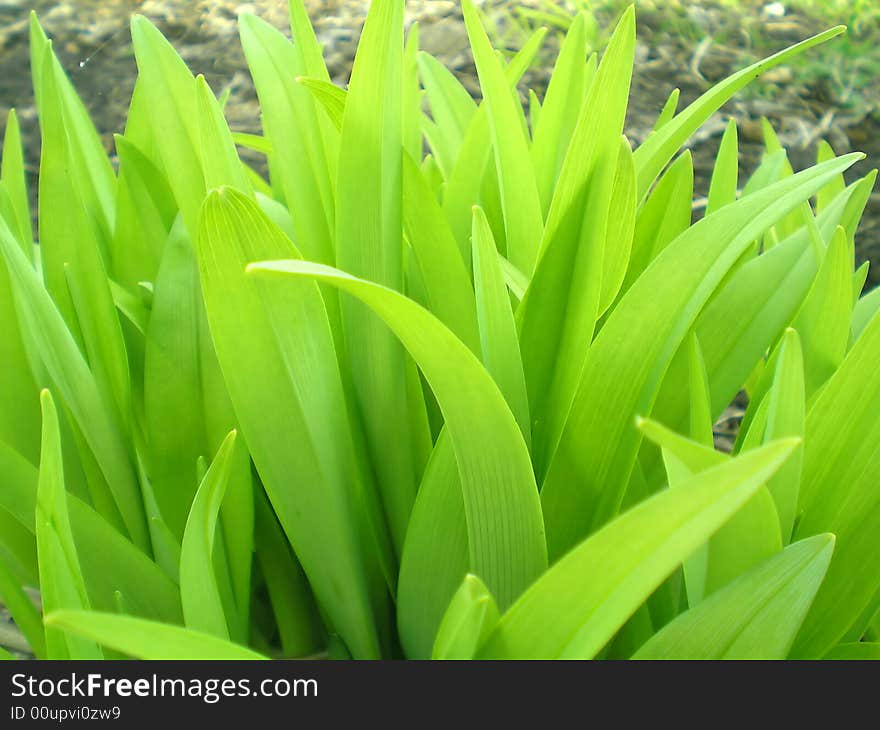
point(453, 405)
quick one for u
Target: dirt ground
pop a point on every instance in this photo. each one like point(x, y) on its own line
point(93, 42)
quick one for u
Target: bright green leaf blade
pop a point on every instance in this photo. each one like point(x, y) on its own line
point(700, 396)
point(464, 183)
point(748, 538)
point(558, 314)
point(523, 220)
point(561, 109)
point(498, 338)
point(839, 494)
point(90, 166)
point(864, 311)
point(626, 364)
point(274, 344)
point(833, 188)
point(470, 618)
point(855, 651)
point(143, 639)
point(452, 109)
point(786, 416)
point(12, 176)
point(748, 316)
point(447, 281)
point(173, 407)
point(329, 96)
point(501, 501)
point(61, 580)
point(369, 244)
point(67, 368)
point(303, 161)
point(169, 92)
point(202, 604)
point(725, 173)
point(755, 617)
point(436, 554)
point(823, 321)
point(662, 217)
point(621, 228)
point(651, 157)
point(111, 564)
point(575, 608)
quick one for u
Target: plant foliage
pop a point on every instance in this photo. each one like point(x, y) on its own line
point(444, 384)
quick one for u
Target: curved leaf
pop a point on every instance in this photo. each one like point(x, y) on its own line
point(505, 529)
point(578, 605)
point(755, 617)
point(143, 639)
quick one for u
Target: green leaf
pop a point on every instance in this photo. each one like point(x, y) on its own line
point(143, 639)
point(19, 394)
point(201, 596)
point(436, 554)
point(274, 344)
point(500, 346)
point(173, 407)
point(329, 96)
point(505, 530)
point(452, 110)
point(855, 651)
point(725, 173)
point(57, 350)
point(576, 607)
point(169, 93)
point(558, 314)
point(369, 244)
point(465, 182)
point(74, 252)
point(299, 626)
point(624, 367)
point(412, 95)
point(523, 220)
point(864, 311)
point(668, 110)
point(823, 320)
point(786, 417)
point(621, 228)
point(253, 142)
point(90, 167)
point(12, 178)
point(470, 618)
point(748, 538)
point(515, 279)
point(562, 105)
point(661, 146)
point(300, 154)
point(145, 213)
point(663, 216)
point(61, 581)
point(446, 278)
point(700, 395)
point(747, 317)
point(833, 188)
point(839, 494)
point(110, 563)
point(755, 617)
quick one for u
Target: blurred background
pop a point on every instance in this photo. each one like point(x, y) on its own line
point(830, 93)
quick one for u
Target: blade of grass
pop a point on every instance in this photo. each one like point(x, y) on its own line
point(143, 639)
